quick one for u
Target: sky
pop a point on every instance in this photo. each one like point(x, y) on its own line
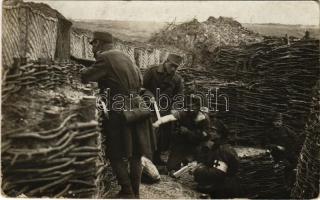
point(284, 12)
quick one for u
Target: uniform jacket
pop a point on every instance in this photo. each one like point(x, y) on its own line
point(208, 174)
point(115, 71)
point(156, 77)
point(189, 132)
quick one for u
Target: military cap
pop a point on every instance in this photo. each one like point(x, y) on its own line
point(278, 120)
point(104, 36)
point(175, 59)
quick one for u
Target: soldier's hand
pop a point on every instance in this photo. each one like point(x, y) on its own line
point(163, 120)
point(72, 57)
point(157, 123)
point(183, 130)
point(204, 134)
point(196, 166)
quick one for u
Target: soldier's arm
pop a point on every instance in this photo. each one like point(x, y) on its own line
point(82, 61)
point(139, 74)
point(205, 126)
point(204, 174)
point(180, 86)
point(147, 80)
point(202, 133)
point(95, 71)
point(197, 135)
point(232, 159)
point(222, 129)
point(179, 115)
point(163, 120)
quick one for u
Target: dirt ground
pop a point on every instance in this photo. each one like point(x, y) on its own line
point(167, 188)
point(171, 188)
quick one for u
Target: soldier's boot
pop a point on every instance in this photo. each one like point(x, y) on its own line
point(119, 167)
point(135, 175)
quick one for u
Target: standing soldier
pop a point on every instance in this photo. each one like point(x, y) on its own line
point(162, 81)
point(116, 74)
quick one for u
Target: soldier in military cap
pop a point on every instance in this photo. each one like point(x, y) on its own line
point(163, 80)
point(125, 141)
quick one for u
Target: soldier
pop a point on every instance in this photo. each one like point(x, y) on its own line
point(283, 144)
point(116, 74)
point(306, 35)
point(216, 173)
point(162, 80)
point(192, 130)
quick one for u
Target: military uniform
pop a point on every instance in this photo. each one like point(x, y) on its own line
point(217, 176)
point(156, 77)
point(286, 138)
point(113, 70)
point(187, 138)
point(283, 143)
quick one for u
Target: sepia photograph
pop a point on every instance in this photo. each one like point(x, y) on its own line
point(160, 99)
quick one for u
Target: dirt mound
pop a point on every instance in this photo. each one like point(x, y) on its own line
point(195, 37)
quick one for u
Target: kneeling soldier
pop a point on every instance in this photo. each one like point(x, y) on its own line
point(192, 130)
point(218, 166)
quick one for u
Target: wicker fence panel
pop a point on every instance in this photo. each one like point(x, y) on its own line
point(154, 57)
point(129, 50)
point(75, 44)
point(147, 57)
point(50, 38)
point(42, 36)
point(10, 34)
point(142, 57)
point(87, 47)
point(308, 173)
point(63, 40)
point(70, 154)
point(80, 46)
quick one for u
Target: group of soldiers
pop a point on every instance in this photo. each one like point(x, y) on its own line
point(135, 132)
point(187, 134)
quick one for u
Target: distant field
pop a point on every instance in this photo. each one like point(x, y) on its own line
point(124, 30)
point(142, 31)
point(280, 30)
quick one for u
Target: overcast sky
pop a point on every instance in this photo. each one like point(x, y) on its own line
point(284, 12)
